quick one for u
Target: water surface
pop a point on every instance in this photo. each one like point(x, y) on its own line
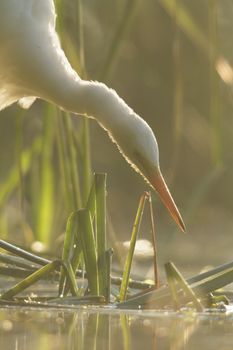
point(85, 328)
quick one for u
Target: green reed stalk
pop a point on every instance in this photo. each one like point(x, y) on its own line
point(215, 104)
point(129, 259)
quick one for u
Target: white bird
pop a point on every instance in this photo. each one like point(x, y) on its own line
point(33, 65)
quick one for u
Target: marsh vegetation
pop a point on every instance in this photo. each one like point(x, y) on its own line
point(172, 62)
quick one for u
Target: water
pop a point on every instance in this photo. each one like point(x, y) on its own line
point(85, 328)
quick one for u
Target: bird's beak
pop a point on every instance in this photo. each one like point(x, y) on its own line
point(160, 186)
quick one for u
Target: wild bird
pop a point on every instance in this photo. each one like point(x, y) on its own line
point(33, 65)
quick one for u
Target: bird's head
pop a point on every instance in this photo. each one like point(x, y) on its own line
point(132, 135)
point(138, 145)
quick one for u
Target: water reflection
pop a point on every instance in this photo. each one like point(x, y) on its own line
point(85, 329)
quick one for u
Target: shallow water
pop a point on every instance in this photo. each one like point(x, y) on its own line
point(22, 328)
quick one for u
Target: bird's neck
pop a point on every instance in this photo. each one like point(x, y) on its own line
point(103, 104)
point(96, 100)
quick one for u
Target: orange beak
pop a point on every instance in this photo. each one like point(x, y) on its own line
point(160, 186)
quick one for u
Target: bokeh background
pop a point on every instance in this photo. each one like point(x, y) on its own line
point(171, 61)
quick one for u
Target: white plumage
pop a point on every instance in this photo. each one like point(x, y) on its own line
point(33, 65)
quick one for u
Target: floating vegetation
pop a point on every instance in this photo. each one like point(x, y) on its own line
point(82, 275)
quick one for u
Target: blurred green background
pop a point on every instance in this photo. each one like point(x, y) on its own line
point(171, 61)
